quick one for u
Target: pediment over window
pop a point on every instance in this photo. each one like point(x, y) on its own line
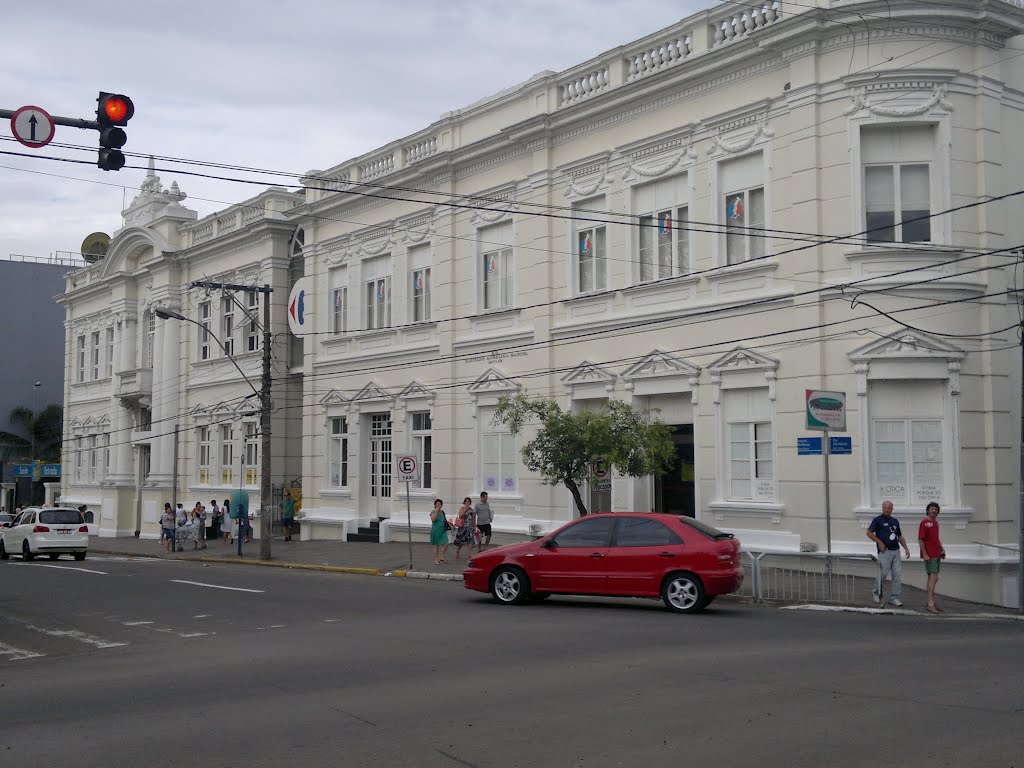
point(660, 364)
point(334, 397)
point(493, 381)
point(372, 391)
point(416, 391)
point(907, 345)
point(588, 373)
point(742, 359)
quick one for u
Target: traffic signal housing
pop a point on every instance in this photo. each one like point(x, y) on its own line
point(112, 111)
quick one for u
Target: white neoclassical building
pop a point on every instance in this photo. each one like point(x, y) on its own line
point(755, 202)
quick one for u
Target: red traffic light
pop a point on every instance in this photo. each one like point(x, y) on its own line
point(114, 108)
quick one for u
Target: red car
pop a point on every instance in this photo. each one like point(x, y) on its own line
point(626, 554)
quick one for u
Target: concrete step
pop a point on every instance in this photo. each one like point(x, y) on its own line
point(364, 535)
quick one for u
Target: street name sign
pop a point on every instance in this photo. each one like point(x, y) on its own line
point(808, 446)
point(840, 445)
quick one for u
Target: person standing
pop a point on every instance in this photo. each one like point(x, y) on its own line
point(167, 528)
point(888, 537)
point(226, 524)
point(483, 517)
point(931, 551)
point(464, 527)
point(287, 514)
point(215, 521)
point(439, 532)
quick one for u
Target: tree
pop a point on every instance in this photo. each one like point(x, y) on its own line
point(40, 435)
point(567, 442)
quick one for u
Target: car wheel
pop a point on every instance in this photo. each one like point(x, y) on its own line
point(538, 596)
point(509, 585)
point(683, 593)
point(3, 551)
point(79, 556)
point(53, 556)
point(26, 551)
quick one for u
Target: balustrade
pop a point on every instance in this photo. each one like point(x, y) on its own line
point(658, 57)
point(582, 86)
point(380, 166)
point(742, 23)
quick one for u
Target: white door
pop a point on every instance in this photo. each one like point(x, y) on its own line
point(380, 465)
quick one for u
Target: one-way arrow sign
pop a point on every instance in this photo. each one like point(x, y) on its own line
point(33, 127)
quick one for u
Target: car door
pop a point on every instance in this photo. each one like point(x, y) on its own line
point(572, 560)
point(18, 532)
point(642, 551)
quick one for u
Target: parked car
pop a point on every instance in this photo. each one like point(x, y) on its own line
point(684, 561)
point(52, 531)
point(5, 520)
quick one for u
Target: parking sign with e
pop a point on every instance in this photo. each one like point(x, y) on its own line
point(408, 469)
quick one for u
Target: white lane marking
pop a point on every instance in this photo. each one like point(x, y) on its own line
point(330, 621)
point(135, 623)
point(202, 616)
point(76, 634)
point(61, 567)
point(18, 654)
point(193, 634)
point(216, 586)
point(272, 626)
point(902, 612)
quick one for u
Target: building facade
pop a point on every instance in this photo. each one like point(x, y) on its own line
point(708, 222)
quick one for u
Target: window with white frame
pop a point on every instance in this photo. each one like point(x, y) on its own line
point(106, 454)
point(377, 292)
point(498, 455)
point(897, 182)
point(743, 207)
point(150, 339)
point(338, 453)
point(497, 267)
point(96, 355)
point(339, 300)
point(421, 446)
point(205, 326)
point(663, 237)
point(110, 353)
point(81, 359)
point(227, 332)
point(419, 270)
point(252, 333)
point(79, 456)
point(907, 436)
point(227, 454)
point(590, 256)
point(749, 449)
point(203, 458)
point(252, 453)
point(90, 445)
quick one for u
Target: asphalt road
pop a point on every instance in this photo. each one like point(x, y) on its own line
point(114, 662)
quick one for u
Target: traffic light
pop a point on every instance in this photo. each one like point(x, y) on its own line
point(112, 110)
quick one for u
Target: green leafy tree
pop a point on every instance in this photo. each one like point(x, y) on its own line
point(567, 442)
point(39, 435)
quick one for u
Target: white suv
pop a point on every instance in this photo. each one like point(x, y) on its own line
point(52, 531)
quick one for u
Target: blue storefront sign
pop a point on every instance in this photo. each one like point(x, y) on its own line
point(808, 446)
point(22, 470)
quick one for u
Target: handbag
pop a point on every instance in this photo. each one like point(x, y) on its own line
point(447, 525)
point(458, 522)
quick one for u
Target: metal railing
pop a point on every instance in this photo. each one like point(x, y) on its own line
point(808, 577)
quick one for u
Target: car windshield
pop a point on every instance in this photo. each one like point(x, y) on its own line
point(60, 516)
point(708, 530)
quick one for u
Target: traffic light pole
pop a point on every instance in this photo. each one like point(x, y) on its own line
point(70, 122)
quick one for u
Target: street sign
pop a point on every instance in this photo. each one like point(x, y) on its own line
point(601, 478)
point(826, 411)
point(33, 127)
point(808, 446)
point(840, 445)
point(408, 469)
point(298, 311)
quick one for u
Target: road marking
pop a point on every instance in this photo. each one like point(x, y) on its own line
point(217, 586)
point(75, 634)
point(62, 567)
point(18, 654)
point(135, 623)
point(193, 634)
point(902, 612)
point(202, 616)
point(272, 626)
point(330, 621)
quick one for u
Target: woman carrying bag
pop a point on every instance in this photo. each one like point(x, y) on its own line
point(464, 528)
point(439, 532)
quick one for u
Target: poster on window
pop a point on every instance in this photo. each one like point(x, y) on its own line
point(490, 483)
point(892, 491)
point(927, 492)
point(764, 489)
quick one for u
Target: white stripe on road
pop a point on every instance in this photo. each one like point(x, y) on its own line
point(135, 623)
point(62, 568)
point(217, 586)
point(271, 626)
point(75, 634)
point(18, 654)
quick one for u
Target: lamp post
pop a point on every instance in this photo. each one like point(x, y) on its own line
point(263, 393)
point(35, 416)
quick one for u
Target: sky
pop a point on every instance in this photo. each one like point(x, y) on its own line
point(282, 85)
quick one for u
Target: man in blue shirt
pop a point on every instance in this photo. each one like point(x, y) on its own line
point(888, 537)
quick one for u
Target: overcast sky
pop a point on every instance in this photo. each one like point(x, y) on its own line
point(284, 85)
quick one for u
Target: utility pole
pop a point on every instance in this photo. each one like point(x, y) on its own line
point(266, 498)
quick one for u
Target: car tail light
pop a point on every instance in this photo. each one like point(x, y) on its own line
point(40, 529)
point(84, 529)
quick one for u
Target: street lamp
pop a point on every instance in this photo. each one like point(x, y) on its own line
point(263, 393)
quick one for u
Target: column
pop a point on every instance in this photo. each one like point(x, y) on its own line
point(165, 401)
point(120, 470)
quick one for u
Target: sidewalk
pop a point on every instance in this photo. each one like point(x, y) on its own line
point(393, 559)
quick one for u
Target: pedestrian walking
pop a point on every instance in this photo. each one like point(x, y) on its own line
point(464, 527)
point(180, 516)
point(167, 528)
point(226, 524)
point(483, 517)
point(931, 551)
point(287, 514)
point(888, 537)
point(215, 521)
point(439, 532)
